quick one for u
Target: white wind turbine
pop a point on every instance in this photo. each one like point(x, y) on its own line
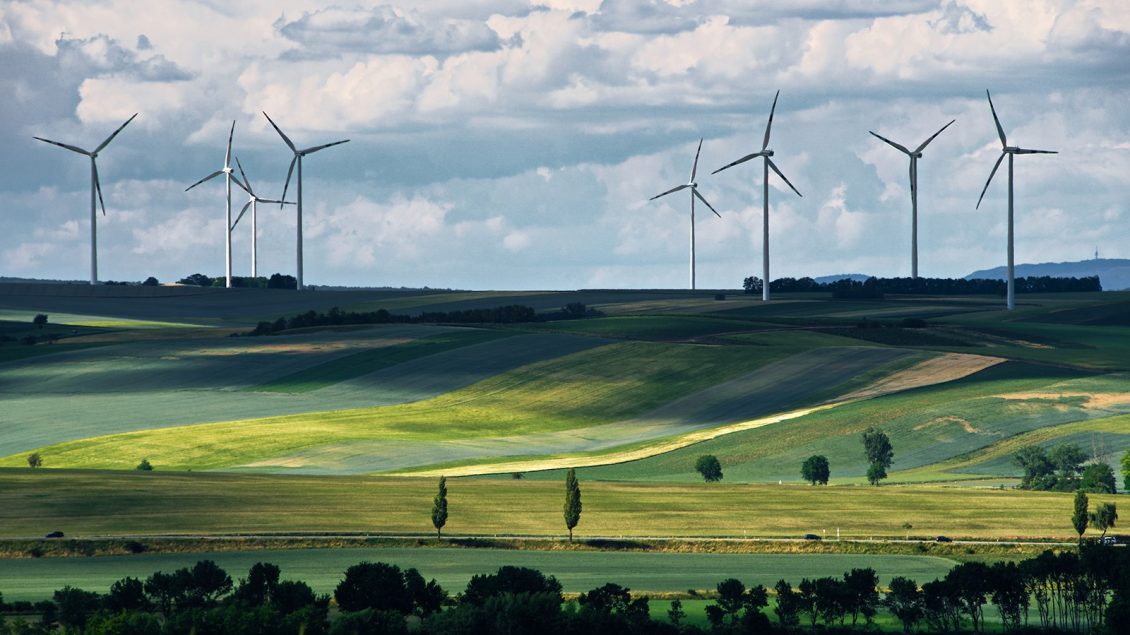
point(914, 156)
point(694, 193)
point(1010, 151)
point(95, 189)
point(253, 203)
point(298, 154)
point(765, 153)
point(228, 178)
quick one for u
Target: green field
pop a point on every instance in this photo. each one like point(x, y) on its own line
point(90, 503)
point(37, 579)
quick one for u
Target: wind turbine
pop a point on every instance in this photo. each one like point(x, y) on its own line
point(95, 188)
point(253, 204)
point(1010, 151)
point(694, 193)
point(914, 156)
point(298, 154)
point(228, 178)
point(765, 153)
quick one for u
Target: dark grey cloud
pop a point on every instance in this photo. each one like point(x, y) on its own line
point(382, 30)
point(101, 55)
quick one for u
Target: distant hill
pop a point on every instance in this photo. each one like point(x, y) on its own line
point(1113, 273)
point(858, 277)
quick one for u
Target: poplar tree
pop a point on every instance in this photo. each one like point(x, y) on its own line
point(1080, 518)
point(572, 501)
point(439, 507)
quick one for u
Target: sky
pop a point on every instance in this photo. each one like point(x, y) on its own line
point(508, 144)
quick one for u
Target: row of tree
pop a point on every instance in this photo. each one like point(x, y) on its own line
point(276, 281)
point(1084, 592)
point(510, 314)
point(1064, 468)
point(877, 287)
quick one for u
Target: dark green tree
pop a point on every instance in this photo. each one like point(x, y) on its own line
point(373, 585)
point(144, 466)
point(127, 594)
point(789, 605)
point(75, 607)
point(151, 282)
point(1104, 517)
point(509, 580)
point(1080, 517)
point(904, 601)
point(34, 460)
point(1126, 470)
point(880, 454)
point(861, 594)
point(572, 501)
point(815, 470)
point(1037, 467)
point(736, 604)
point(439, 507)
point(708, 466)
point(1098, 478)
point(260, 586)
point(427, 597)
point(40, 320)
point(1068, 460)
point(752, 284)
point(676, 614)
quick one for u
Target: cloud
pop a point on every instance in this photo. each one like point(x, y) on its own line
point(101, 55)
point(384, 30)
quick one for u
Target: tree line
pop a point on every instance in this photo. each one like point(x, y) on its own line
point(876, 287)
point(1079, 592)
point(276, 281)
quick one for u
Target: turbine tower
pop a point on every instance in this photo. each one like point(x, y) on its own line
point(298, 154)
point(764, 153)
point(95, 189)
point(694, 193)
point(914, 156)
point(228, 178)
point(253, 204)
point(1010, 151)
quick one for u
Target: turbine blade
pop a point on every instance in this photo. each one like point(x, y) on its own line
point(64, 145)
point(227, 155)
point(899, 147)
point(242, 186)
point(704, 201)
point(995, 166)
point(741, 160)
point(774, 166)
point(927, 142)
point(210, 176)
point(281, 203)
point(322, 147)
point(241, 213)
point(284, 137)
point(289, 171)
point(674, 189)
point(769, 126)
point(111, 137)
point(694, 168)
point(98, 188)
point(913, 179)
point(1027, 151)
point(246, 181)
point(1000, 130)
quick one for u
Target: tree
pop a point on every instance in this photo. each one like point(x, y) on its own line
point(150, 282)
point(815, 470)
point(197, 279)
point(144, 466)
point(880, 454)
point(708, 466)
point(789, 605)
point(1098, 478)
point(373, 585)
point(1079, 518)
point(904, 601)
point(34, 460)
point(1126, 470)
point(861, 594)
point(676, 614)
point(510, 580)
point(1104, 517)
point(752, 284)
point(1068, 460)
point(736, 604)
point(75, 606)
point(439, 507)
point(40, 320)
point(875, 473)
point(260, 586)
point(127, 594)
point(1037, 467)
point(572, 501)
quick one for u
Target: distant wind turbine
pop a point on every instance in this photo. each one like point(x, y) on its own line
point(253, 204)
point(298, 154)
point(1010, 151)
point(228, 178)
point(694, 193)
point(914, 156)
point(95, 189)
point(765, 153)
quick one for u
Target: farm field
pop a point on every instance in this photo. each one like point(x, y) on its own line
point(323, 569)
point(129, 503)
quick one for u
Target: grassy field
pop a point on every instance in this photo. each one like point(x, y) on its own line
point(83, 503)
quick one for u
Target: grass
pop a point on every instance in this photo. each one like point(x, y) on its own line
point(591, 387)
point(85, 503)
point(36, 579)
point(368, 361)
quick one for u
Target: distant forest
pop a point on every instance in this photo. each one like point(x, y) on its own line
point(878, 287)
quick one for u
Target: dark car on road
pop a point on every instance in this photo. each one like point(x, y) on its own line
point(812, 537)
point(943, 539)
point(54, 534)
